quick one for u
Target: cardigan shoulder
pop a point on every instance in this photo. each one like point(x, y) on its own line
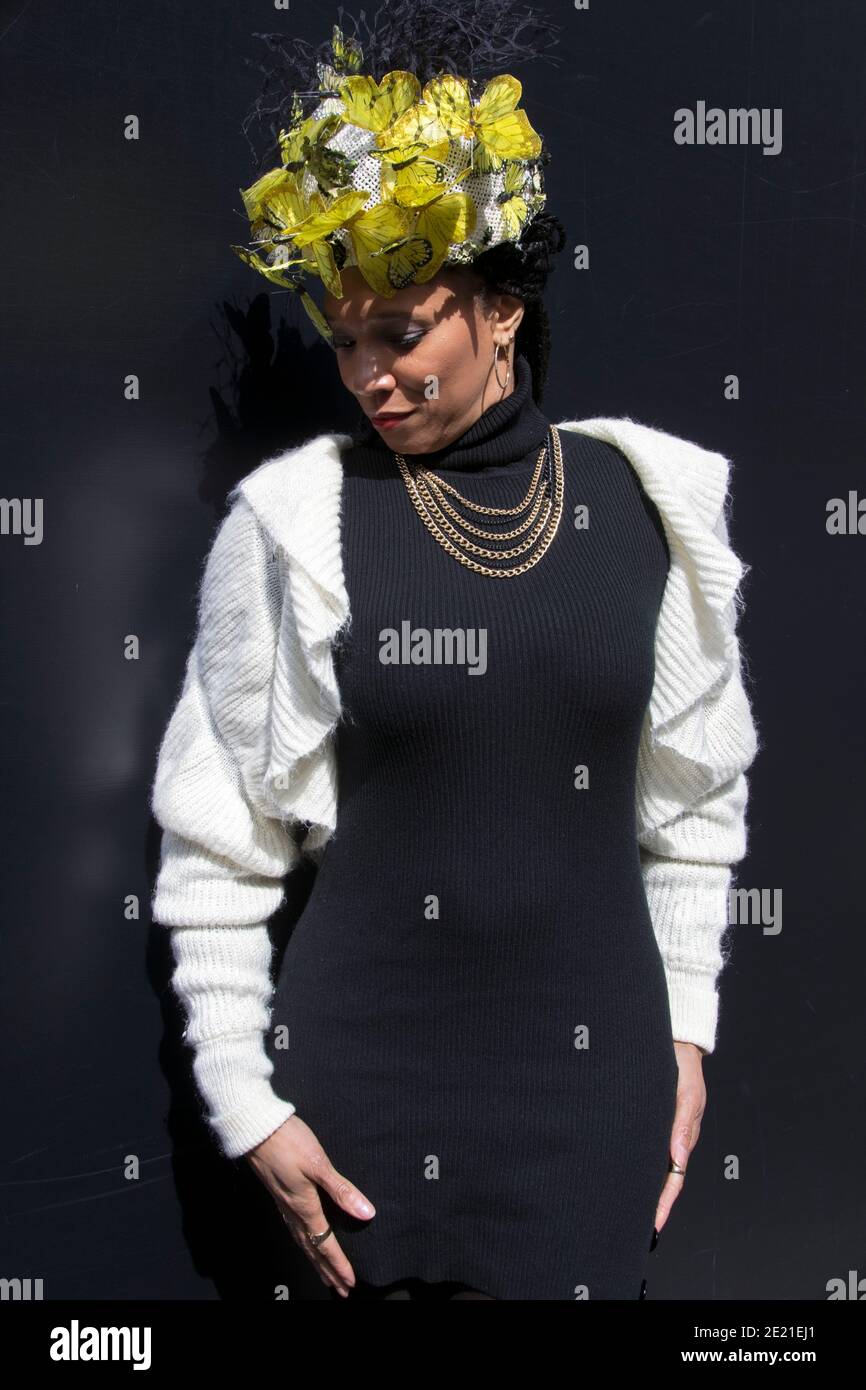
point(667, 463)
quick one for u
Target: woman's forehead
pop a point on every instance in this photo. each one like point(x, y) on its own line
point(359, 302)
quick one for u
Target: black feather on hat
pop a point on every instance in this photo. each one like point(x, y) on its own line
point(474, 39)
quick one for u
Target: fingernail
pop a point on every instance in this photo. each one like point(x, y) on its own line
point(364, 1209)
point(655, 1240)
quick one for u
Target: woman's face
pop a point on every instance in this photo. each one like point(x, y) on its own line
point(424, 357)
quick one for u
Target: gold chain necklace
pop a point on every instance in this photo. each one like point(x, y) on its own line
point(429, 494)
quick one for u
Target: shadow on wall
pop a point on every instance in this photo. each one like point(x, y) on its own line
point(274, 392)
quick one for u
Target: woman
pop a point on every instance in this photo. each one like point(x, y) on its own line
point(524, 798)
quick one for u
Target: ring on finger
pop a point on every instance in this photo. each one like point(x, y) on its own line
point(317, 1240)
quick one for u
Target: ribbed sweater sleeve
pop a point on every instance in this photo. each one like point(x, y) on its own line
point(223, 859)
point(688, 860)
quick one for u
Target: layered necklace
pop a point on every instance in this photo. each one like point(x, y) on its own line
point(430, 497)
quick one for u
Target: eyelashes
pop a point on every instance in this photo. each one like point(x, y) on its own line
point(404, 344)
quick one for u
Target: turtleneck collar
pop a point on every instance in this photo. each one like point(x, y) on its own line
point(504, 433)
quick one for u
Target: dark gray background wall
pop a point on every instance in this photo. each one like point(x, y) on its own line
point(705, 261)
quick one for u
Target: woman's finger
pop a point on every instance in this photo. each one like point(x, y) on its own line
point(691, 1102)
point(303, 1214)
point(670, 1192)
point(293, 1165)
point(322, 1172)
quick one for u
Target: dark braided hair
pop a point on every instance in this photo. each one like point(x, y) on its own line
point(473, 38)
point(522, 268)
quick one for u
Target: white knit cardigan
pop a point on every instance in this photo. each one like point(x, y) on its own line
point(248, 753)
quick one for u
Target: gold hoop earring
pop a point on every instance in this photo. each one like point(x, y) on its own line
point(502, 384)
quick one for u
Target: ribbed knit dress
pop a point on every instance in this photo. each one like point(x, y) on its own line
point(479, 1028)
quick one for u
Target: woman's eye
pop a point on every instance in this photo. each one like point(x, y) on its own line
point(404, 343)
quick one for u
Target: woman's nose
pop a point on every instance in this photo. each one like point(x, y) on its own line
point(369, 375)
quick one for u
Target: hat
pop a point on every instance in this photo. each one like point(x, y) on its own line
point(394, 177)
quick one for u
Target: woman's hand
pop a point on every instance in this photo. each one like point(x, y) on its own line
point(293, 1165)
point(691, 1104)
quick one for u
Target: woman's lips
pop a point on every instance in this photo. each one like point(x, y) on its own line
point(389, 419)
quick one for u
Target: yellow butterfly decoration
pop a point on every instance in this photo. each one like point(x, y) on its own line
point(535, 195)
point(511, 200)
point(347, 58)
point(347, 53)
point(283, 220)
point(288, 222)
point(326, 218)
point(410, 165)
point(304, 147)
point(375, 105)
point(279, 189)
point(283, 276)
point(407, 181)
point(499, 130)
point(442, 216)
point(273, 205)
point(387, 252)
point(284, 271)
point(330, 80)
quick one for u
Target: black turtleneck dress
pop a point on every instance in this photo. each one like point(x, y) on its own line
point(479, 1027)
